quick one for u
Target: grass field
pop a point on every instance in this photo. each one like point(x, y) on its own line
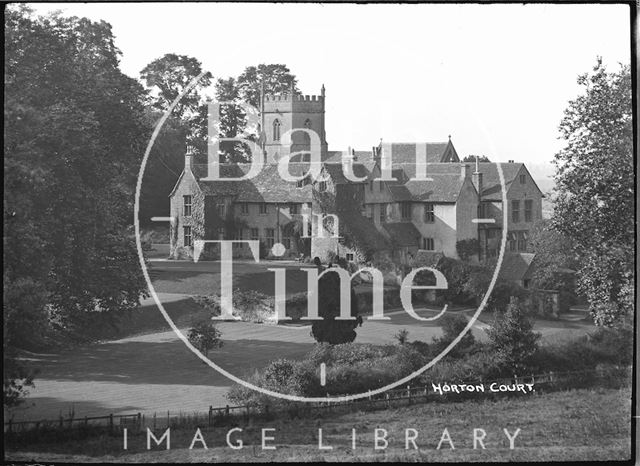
point(144, 367)
point(577, 425)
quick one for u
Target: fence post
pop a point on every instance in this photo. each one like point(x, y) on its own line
point(111, 422)
point(409, 393)
point(139, 423)
point(154, 420)
point(226, 411)
point(86, 421)
point(168, 419)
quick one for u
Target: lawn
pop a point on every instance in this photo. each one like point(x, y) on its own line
point(142, 366)
point(577, 425)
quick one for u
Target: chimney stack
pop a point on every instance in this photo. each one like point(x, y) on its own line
point(464, 170)
point(188, 157)
point(477, 179)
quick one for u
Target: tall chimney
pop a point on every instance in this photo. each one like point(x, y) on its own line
point(464, 170)
point(188, 157)
point(477, 179)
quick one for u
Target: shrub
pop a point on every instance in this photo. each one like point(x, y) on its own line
point(452, 327)
point(402, 336)
point(351, 368)
point(512, 336)
point(467, 248)
point(471, 368)
point(205, 336)
point(603, 346)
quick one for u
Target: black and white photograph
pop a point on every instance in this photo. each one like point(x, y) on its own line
point(320, 232)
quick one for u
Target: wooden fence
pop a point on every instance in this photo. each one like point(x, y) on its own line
point(223, 415)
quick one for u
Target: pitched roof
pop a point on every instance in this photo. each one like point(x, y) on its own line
point(443, 187)
point(403, 233)
point(335, 171)
point(266, 186)
point(363, 231)
point(516, 266)
point(405, 152)
point(492, 190)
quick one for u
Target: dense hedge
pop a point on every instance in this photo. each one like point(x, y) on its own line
point(357, 368)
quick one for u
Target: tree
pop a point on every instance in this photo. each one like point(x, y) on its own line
point(166, 78)
point(328, 329)
point(452, 327)
point(74, 132)
point(205, 336)
point(512, 336)
point(594, 203)
point(170, 75)
point(553, 263)
point(472, 158)
point(466, 248)
point(276, 79)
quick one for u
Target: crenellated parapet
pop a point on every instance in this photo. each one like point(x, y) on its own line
point(294, 102)
point(293, 98)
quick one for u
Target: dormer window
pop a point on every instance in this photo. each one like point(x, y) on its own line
point(276, 130)
point(322, 186)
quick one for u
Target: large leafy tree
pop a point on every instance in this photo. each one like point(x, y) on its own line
point(270, 78)
point(169, 75)
point(594, 205)
point(73, 137)
point(554, 259)
point(166, 78)
point(275, 78)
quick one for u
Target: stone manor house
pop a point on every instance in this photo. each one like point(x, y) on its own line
point(402, 219)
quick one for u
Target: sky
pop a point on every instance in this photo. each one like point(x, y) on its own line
point(496, 78)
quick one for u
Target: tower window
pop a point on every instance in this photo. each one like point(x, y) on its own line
point(276, 130)
point(307, 123)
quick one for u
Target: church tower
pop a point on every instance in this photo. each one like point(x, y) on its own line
point(281, 113)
